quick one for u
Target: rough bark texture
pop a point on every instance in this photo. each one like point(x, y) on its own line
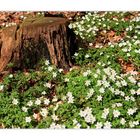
point(34, 39)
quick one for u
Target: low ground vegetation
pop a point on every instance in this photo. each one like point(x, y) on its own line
point(102, 90)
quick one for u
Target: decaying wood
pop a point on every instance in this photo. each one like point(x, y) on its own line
point(35, 39)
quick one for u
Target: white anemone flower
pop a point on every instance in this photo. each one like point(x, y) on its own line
point(116, 113)
point(77, 126)
point(90, 44)
point(56, 126)
point(85, 74)
point(76, 54)
point(99, 83)
point(15, 101)
point(136, 122)
point(11, 76)
point(38, 102)
point(54, 74)
point(90, 118)
point(89, 94)
point(50, 68)
point(44, 112)
point(1, 87)
point(132, 79)
point(46, 101)
point(99, 125)
point(71, 99)
point(106, 110)
point(54, 117)
point(66, 80)
point(87, 83)
point(28, 119)
point(131, 124)
point(101, 90)
point(131, 111)
point(91, 90)
point(95, 75)
point(127, 98)
point(48, 85)
point(47, 62)
point(44, 93)
point(132, 91)
point(87, 56)
point(107, 125)
point(25, 109)
point(104, 115)
point(124, 83)
point(60, 70)
point(99, 98)
point(82, 113)
point(54, 99)
point(75, 121)
point(30, 103)
point(122, 121)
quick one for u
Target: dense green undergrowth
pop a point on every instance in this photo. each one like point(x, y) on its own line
point(100, 92)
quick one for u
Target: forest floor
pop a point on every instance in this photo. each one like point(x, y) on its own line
point(101, 90)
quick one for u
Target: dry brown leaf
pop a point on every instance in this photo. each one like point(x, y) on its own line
point(129, 68)
point(126, 67)
point(38, 117)
point(117, 38)
point(111, 34)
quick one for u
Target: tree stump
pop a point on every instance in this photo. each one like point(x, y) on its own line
point(36, 38)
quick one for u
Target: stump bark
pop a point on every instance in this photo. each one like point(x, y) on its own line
point(37, 38)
